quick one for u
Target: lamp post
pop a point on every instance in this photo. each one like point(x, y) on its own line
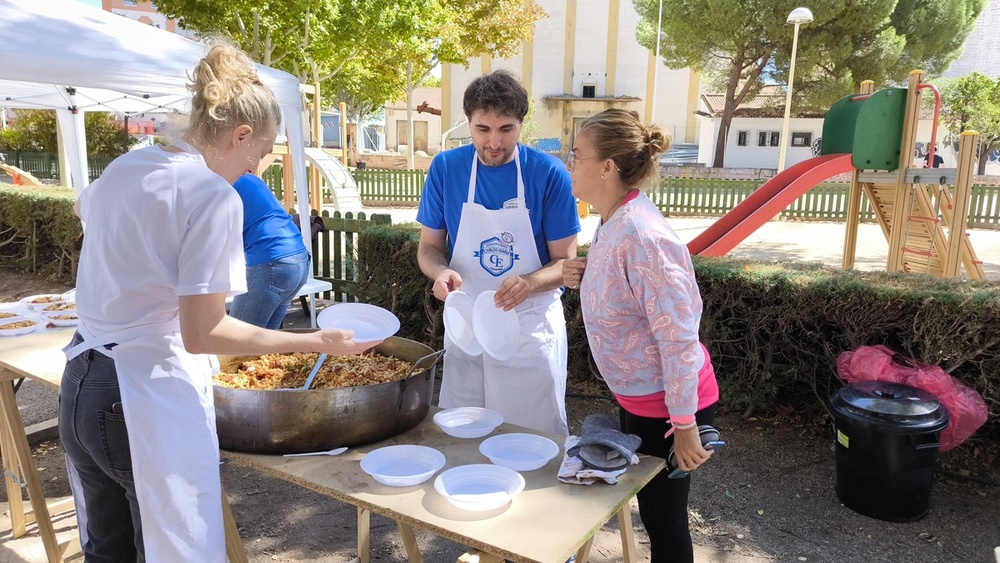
point(798, 17)
point(656, 62)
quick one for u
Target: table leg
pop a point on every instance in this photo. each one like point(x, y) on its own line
point(234, 545)
point(627, 533)
point(410, 543)
point(583, 554)
point(12, 479)
point(364, 538)
point(15, 427)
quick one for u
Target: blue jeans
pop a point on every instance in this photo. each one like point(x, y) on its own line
point(270, 289)
point(93, 434)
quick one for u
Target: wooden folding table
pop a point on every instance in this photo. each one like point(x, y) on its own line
point(547, 522)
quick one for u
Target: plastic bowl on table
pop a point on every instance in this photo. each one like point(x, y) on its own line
point(520, 452)
point(479, 487)
point(468, 422)
point(39, 302)
point(18, 331)
point(61, 318)
point(402, 466)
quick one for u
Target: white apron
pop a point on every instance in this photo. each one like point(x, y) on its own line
point(170, 414)
point(528, 389)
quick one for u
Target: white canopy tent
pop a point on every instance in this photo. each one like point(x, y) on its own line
point(70, 57)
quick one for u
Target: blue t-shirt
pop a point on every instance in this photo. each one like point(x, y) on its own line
point(548, 193)
point(268, 230)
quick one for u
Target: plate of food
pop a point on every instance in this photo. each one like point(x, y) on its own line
point(62, 318)
point(58, 307)
point(37, 302)
point(17, 327)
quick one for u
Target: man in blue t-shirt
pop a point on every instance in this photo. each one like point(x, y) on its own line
point(500, 217)
point(277, 259)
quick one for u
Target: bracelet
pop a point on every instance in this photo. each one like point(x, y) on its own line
point(675, 426)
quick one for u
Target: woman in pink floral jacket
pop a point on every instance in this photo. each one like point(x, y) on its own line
point(642, 310)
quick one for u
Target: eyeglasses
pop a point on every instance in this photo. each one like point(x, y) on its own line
point(572, 159)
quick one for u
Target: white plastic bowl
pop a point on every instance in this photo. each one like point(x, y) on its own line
point(520, 452)
point(402, 466)
point(458, 322)
point(16, 308)
point(18, 331)
point(50, 317)
point(479, 487)
point(30, 303)
point(468, 422)
point(498, 331)
point(369, 322)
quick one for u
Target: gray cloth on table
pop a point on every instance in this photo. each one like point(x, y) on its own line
point(602, 445)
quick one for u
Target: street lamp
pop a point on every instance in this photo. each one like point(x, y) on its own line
point(656, 62)
point(798, 17)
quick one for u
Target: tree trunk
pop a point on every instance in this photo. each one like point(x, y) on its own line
point(984, 157)
point(727, 114)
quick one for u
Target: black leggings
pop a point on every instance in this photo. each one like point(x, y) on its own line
point(663, 501)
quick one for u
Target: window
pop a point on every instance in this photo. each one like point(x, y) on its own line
point(761, 138)
point(802, 139)
point(589, 91)
point(775, 139)
point(741, 138)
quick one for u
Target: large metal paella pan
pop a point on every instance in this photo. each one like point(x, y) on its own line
point(295, 420)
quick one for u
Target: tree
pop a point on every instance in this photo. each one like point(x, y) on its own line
point(361, 49)
point(35, 130)
point(972, 103)
point(737, 44)
point(460, 30)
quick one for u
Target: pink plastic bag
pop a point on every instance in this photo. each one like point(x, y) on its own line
point(966, 407)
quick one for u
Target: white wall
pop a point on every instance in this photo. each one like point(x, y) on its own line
point(753, 155)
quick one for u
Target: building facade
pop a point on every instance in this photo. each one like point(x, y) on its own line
point(141, 11)
point(582, 59)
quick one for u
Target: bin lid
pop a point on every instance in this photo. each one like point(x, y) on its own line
point(891, 406)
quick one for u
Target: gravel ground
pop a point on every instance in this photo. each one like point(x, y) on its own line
point(769, 497)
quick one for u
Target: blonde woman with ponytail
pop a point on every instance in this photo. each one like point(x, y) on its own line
point(642, 310)
point(163, 250)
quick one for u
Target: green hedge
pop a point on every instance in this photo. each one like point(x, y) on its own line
point(774, 331)
point(38, 230)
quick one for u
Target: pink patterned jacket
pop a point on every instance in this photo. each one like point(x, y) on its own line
point(642, 310)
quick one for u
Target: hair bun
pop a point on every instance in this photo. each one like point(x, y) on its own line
point(657, 140)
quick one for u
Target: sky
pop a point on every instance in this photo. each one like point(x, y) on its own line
point(94, 3)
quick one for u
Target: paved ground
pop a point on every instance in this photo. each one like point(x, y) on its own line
point(789, 241)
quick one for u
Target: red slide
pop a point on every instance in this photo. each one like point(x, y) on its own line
point(766, 203)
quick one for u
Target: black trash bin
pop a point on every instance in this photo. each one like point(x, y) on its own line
point(887, 439)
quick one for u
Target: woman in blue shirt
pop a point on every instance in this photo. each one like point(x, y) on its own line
point(277, 260)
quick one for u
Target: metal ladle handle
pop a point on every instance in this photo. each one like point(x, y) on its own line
point(437, 355)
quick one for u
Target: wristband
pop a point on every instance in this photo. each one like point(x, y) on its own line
point(675, 426)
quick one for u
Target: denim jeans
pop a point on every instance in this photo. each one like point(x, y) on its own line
point(93, 434)
point(270, 289)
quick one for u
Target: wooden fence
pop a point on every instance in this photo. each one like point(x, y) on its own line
point(389, 186)
point(335, 251)
point(697, 197)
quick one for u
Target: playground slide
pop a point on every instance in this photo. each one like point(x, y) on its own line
point(767, 202)
point(345, 193)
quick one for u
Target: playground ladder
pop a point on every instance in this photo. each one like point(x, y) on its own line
point(925, 243)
